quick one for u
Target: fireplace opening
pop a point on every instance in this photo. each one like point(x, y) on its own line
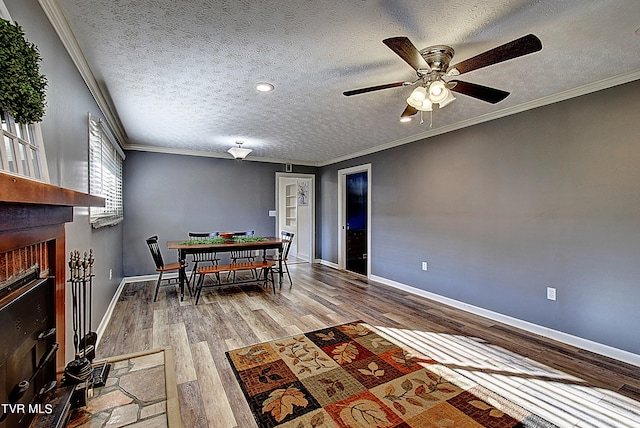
point(27, 349)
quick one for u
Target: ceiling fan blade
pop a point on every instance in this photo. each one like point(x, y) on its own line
point(403, 47)
point(409, 111)
point(484, 93)
point(516, 48)
point(372, 88)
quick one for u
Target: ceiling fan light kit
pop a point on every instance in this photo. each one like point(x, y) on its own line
point(448, 99)
point(419, 99)
point(437, 91)
point(424, 97)
point(432, 65)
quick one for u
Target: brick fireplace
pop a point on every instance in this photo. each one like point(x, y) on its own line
point(32, 281)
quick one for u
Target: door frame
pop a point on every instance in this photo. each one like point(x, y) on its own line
point(342, 214)
point(312, 207)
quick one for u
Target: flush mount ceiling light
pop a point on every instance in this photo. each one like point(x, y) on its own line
point(239, 152)
point(264, 87)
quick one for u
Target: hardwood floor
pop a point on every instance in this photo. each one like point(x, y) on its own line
point(569, 386)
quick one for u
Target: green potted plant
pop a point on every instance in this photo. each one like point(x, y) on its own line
point(22, 87)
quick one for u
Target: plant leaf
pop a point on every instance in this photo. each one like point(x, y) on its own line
point(380, 341)
point(281, 401)
point(496, 413)
point(364, 413)
point(327, 337)
point(317, 419)
point(345, 353)
point(399, 407)
point(480, 405)
point(414, 402)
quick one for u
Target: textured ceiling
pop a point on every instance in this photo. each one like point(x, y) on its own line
point(180, 75)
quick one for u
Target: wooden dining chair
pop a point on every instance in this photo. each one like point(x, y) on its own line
point(242, 256)
point(287, 239)
point(205, 256)
point(161, 266)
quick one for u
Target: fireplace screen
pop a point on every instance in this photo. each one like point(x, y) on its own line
point(21, 263)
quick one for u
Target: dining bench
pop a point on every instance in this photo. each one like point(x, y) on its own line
point(266, 266)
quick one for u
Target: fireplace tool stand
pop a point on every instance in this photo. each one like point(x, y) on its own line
point(81, 371)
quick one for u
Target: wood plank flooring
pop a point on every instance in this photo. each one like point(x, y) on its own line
point(569, 386)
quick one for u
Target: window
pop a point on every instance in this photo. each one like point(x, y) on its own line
point(21, 150)
point(105, 174)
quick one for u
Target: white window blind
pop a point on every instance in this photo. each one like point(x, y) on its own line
point(105, 174)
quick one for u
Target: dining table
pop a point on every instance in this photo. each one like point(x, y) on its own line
point(186, 247)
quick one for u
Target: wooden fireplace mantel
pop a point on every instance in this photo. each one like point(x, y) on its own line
point(32, 212)
point(25, 191)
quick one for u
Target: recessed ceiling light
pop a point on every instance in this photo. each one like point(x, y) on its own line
point(264, 87)
point(405, 119)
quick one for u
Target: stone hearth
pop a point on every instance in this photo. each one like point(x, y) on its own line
point(139, 392)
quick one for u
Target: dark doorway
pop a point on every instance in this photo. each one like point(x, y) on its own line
point(356, 216)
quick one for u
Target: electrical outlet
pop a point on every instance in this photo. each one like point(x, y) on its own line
point(424, 265)
point(551, 293)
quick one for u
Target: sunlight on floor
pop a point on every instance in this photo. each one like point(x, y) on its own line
point(560, 398)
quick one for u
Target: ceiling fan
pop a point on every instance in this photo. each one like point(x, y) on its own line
point(432, 65)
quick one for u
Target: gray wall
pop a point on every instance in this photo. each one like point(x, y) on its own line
point(501, 210)
point(65, 133)
point(172, 195)
point(504, 209)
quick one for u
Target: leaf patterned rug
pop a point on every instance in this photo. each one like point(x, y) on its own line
point(351, 376)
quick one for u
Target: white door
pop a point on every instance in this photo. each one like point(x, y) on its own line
point(295, 212)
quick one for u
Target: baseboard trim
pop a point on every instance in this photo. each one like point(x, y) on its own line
point(598, 348)
point(589, 345)
point(112, 305)
point(109, 312)
point(327, 263)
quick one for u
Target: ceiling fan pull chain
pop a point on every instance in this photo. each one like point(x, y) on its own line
point(431, 119)
point(421, 118)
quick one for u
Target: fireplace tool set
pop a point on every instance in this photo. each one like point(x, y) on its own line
point(81, 370)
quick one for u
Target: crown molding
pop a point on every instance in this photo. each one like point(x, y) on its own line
point(61, 26)
point(4, 12)
point(555, 98)
point(59, 23)
point(173, 151)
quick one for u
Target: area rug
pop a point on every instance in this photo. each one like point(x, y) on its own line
point(352, 376)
